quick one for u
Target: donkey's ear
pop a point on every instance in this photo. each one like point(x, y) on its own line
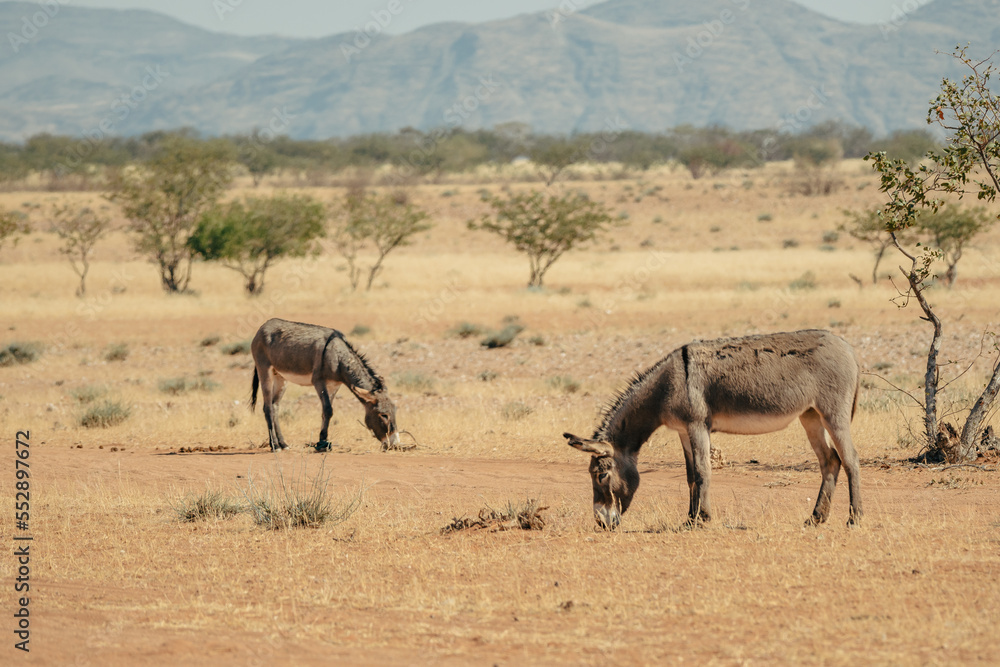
point(593, 447)
point(366, 396)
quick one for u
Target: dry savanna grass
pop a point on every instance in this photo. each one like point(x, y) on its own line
point(146, 552)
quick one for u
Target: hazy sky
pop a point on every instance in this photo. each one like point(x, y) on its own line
point(317, 18)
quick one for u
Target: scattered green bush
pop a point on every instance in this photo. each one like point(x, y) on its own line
point(88, 393)
point(804, 282)
point(232, 349)
point(467, 330)
point(564, 384)
point(515, 410)
point(182, 385)
point(298, 503)
point(209, 341)
point(20, 352)
point(209, 505)
point(502, 338)
point(105, 414)
point(116, 352)
point(360, 330)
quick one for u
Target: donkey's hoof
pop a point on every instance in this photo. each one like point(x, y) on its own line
point(324, 446)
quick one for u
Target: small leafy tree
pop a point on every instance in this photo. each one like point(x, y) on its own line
point(868, 226)
point(968, 164)
point(950, 229)
point(380, 222)
point(249, 236)
point(164, 199)
point(543, 227)
point(254, 154)
point(552, 155)
point(80, 229)
point(815, 166)
point(12, 223)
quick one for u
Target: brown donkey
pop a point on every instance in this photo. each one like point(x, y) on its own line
point(750, 385)
point(308, 354)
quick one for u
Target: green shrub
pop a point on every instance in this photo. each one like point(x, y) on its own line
point(209, 505)
point(360, 330)
point(182, 385)
point(804, 282)
point(105, 414)
point(88, 393)
point(765, 217)
point(467, 330)
point(20, 352)
point(297, 503)
point(232, 349)
point(515, 410)
point(502, 338)
point(209, 341)
point(564, 384)
point(116, 352)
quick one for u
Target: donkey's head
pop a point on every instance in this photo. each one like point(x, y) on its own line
point(615, 478)
point(380, 416)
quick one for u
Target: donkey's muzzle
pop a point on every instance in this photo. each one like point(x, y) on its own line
point(607, 518)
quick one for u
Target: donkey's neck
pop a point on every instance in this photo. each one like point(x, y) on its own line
point(635, 413)
point(354, 369)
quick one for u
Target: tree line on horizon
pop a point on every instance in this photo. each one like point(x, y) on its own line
point(67, 162)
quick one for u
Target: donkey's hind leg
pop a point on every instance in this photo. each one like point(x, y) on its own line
point(839, 426)
point(278, 392)
point(270, 392)
point(829, 464)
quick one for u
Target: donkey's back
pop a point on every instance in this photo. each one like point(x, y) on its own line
point(759, 384)
point(293, 348)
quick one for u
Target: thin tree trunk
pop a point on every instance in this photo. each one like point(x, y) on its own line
point(931, 373)
point(83, 279)
point(975, 419)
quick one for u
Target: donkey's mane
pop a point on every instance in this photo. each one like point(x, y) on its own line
point(623, 399)
point(378, 384)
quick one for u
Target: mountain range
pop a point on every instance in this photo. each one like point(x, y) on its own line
point(622, 64)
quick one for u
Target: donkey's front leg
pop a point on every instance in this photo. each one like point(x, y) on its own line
point(326, 401)
point(700, 447)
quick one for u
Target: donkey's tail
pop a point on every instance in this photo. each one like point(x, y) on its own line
point(253, 391)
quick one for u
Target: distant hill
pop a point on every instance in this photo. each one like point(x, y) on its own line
point(642, 64)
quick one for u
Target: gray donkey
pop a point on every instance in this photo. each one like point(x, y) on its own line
point(308, 354)
point(751, 385)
